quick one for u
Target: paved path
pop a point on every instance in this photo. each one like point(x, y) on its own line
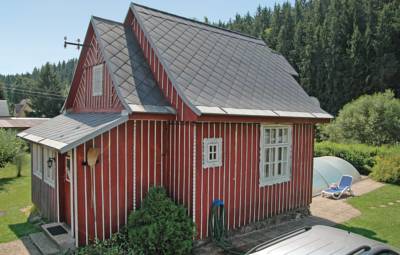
point(23, 246)
point(324, 211)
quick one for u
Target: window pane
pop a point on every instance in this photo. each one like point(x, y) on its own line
point(285, 135)
point(280, 134)
point(273, 169)
point(284, 168)
point(279, 168)
point(280, 153)
point(266, 170)
point(272, 155)
point(273, 135)
point(284, 154)
point(267, 134)
point(267, 155)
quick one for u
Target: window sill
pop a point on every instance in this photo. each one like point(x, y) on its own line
point(37, 175)
point(274, 181)
point(49, 182)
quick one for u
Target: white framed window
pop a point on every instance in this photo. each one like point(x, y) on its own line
point(37, 160)
point(275, 154)
point(212, 152)
point(49, 172)
point(97, 80)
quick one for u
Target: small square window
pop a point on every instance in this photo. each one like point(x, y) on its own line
point(97, 80)
point(212, 152)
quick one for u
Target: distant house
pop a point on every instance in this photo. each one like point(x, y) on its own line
point(160, 99)
point(18, 123)
point(23, 108)
point(4, 112)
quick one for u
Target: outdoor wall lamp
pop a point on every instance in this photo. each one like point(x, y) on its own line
point(50, 162)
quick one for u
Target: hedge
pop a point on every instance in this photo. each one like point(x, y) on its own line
point(387, 168)
point(362, 157)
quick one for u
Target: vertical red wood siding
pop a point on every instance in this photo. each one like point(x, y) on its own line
point(140, 154)
point(159, 73)
point(131, 160)
point(237, 180)
point(83, 100)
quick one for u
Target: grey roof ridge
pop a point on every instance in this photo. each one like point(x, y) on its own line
point(107, 20)
point(107, 61)
point(254, 39)
point(166, 68)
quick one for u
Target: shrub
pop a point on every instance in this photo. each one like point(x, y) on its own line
point(118, 244)
point(370, 119)
point(10, 146)
point(160, 226)
point(387, 168)
point(360, 156)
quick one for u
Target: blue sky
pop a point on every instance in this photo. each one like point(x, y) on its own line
point(32, 32)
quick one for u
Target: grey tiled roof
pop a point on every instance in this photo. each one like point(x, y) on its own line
point(214, 67)
point(71, 129)
point(129, 70)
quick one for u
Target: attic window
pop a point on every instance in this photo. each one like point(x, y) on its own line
point(97, 80)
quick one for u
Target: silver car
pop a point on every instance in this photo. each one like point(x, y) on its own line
point(322, 240)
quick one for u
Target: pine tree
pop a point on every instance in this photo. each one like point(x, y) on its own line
point(47, 84)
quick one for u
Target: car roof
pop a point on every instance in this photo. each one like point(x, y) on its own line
point(317, 240)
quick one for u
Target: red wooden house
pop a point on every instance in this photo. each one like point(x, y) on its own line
point(206, 112)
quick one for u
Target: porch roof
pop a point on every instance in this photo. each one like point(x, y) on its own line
point(68, 130)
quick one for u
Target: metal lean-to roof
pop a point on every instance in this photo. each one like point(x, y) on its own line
point(129, 70)
point(66, 131)
point(223, 72)
point(4, 112)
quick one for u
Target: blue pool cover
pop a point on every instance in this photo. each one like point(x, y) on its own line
point(328, 170)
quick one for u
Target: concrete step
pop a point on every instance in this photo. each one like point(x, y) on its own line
point(64, 241)
point(44, 244)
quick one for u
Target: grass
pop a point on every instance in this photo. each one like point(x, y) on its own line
point(375, 222)
point(15, 196)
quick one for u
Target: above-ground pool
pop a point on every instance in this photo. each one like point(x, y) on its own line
point(328, 170)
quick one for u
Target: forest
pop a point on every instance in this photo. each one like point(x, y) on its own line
point(46, 87)
point(342, 49)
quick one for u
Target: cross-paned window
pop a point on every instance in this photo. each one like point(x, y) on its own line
point(212, 152)
point(275, 154)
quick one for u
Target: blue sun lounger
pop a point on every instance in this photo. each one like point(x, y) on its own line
point(343, 187)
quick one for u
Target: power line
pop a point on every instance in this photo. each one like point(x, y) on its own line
point(38, 93)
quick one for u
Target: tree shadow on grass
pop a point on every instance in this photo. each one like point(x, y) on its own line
point(23, 229)
point(362, 231)
point(6, 181)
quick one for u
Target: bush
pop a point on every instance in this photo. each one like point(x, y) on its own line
point(118, 244)
point(387, 168)
point(360, 156)
point(160, 226)
point(370, 119)
point(10, 146)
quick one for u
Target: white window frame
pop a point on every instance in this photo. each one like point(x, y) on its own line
point(213, 146)
point(37, 158)
point(97, 80)
point(49, 173)
point(275, 146)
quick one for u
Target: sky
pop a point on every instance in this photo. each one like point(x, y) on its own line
point(32, 32)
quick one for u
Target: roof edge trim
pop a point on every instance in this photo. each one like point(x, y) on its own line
point(152, 109)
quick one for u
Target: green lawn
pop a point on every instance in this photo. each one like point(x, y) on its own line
point(15, 196)
point(379, 219)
